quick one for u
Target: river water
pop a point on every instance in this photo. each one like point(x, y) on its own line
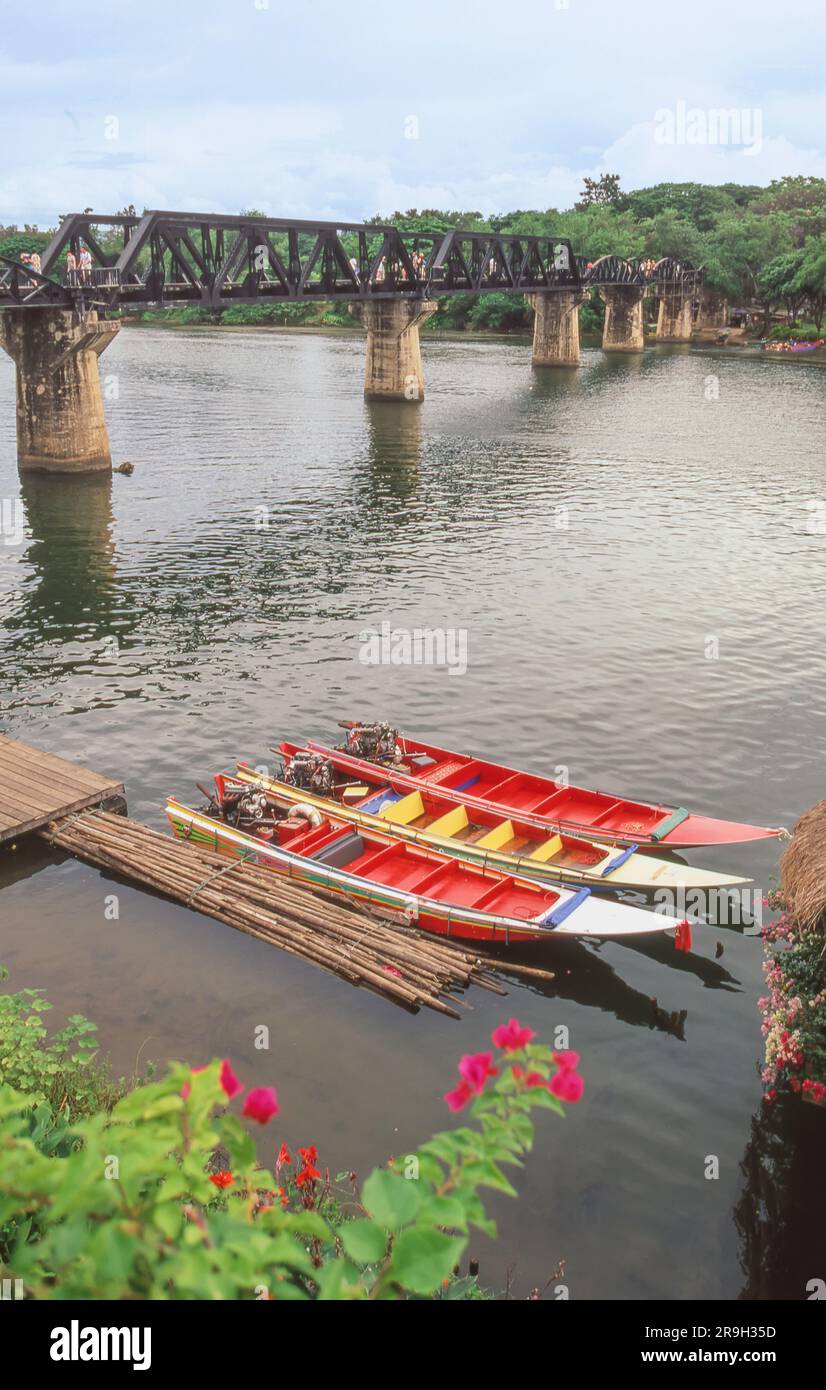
point(635, 556)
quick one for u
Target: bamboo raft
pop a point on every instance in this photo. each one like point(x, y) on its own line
point(382, 954)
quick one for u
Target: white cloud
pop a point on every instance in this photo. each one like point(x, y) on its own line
point(511, 115)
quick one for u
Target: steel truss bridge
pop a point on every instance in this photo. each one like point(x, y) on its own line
point(180, 258)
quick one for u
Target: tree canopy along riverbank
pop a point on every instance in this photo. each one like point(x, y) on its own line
point(756, 245)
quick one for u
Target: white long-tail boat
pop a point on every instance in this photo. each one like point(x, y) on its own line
point(439, 893)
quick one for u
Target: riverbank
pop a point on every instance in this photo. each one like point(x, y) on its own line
point(178, 320)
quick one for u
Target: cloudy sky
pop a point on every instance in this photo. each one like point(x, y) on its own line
point(320, 109)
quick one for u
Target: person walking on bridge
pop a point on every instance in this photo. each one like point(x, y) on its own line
point(85, 266)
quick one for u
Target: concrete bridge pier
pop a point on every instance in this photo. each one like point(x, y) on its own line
point(393, 367)
point(61, 427)
point(555, 327)
point(623, 329)
point(674, 319)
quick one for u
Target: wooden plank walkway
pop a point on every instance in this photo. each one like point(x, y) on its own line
point(36, 787)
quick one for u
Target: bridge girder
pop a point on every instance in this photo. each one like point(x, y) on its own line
point(214, 260)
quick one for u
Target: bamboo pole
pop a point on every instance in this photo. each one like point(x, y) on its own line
point(386, 956)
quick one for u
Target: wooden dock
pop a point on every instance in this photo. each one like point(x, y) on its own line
point(37, 787)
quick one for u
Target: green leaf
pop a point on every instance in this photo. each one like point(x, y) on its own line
point(485, 1173)
point(338, 1279)
point(304, 1223)
point(364, 1241)
point(445, 1211)
point(391, 1199)
point(168, 1218)
point(423, 1257)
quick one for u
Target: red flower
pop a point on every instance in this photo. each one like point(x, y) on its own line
point(260, 1104)
point(458, 1099)
point(511, 1036)
point(222, 1179)
point(283, 1157)
point(307, 1174)
point(475, 1068)
point(229, 1080)
point(567, 1085)
point(309, 1155)
point(282, 1194)
point(530, 1078)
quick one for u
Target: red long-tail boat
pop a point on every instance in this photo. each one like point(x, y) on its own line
point(461, 777)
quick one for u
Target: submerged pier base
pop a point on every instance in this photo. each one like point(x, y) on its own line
point(623, 329)
point(555, 328)
point(393, 367)
point(61, 427)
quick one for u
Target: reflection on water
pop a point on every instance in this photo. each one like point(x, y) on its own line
point(781, 1212)
point(588, 531)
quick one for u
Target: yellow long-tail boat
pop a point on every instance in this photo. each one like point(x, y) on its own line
point(481, 836)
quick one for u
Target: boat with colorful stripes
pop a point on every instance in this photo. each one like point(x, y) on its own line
point(438, 893)
point(480, 836)
point(480, 784)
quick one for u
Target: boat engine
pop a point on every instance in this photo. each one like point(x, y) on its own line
point(377, 743)
point(252, 807)
point(312, 772)
point(244, 807)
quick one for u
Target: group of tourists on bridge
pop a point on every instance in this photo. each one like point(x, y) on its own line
point(397, 270)
point(78, 267)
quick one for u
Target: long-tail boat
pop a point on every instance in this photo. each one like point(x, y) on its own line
point(482, 836)
point(479, 784)
point(440, 894)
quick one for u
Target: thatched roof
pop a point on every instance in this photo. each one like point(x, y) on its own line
point(803, 870)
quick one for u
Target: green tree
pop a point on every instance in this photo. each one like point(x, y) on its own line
point(811, 278)
point(605, 189)
point(742, 244)
point(697, 203)
point(779, 282)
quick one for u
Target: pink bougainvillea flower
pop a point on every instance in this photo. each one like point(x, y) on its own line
point(567, 1061)
point(475, 1068)
point(528, 1078)
point(511, 1036)
point(222, 1179)
point(260, 1104)
point(458, 1099)
point(229, 1081)
point(567, 1085)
